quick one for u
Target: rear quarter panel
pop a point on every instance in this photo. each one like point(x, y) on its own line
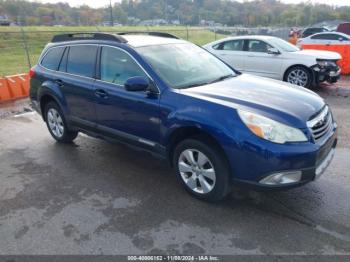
point(42, 84)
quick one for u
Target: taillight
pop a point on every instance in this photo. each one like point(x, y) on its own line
point(31, 73)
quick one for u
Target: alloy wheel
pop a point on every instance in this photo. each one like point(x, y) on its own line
point(298, 77)
point(197, 171)
point(55, 122)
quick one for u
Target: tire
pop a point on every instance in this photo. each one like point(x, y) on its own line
point(57, 125)
point(213, 186)
point(299, 75)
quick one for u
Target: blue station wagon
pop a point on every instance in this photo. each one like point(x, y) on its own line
point(215, 126)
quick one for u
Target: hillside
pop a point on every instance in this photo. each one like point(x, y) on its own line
point(188, 12)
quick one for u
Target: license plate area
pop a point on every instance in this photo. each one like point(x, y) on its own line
point(324, 164)
point(325, 156)
point(325, 149)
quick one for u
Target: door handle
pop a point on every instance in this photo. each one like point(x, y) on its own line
point(59, 82)
point(101, 93)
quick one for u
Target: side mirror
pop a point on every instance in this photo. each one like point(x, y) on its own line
point(273, 51)
point(340, 39)
point(136, 83)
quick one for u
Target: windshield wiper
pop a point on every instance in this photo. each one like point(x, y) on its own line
point(207, 83)
point(193, 85)
point(221, 78)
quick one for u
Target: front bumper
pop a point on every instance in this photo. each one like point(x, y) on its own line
point(311, 159)
point(324, 158)
point(330, 74)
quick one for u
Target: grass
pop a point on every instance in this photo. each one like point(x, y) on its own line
point(13, 58)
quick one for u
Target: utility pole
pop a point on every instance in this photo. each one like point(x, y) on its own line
point(111, 13)
point(166, 11)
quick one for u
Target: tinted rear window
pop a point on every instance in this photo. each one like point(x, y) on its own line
point(231, 45)
point(81, 60)
point(52, 58)
point(311, 31)
point(326, 37)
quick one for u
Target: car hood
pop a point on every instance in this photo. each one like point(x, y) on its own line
point(278, 100)
point(319, 54)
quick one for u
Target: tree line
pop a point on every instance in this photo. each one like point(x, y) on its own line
point(188, 12)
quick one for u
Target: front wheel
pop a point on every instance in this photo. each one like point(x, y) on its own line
point(202, 169)
point(57, 125)
point(299, 75)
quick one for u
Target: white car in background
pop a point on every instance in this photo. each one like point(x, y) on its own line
point(275, 58)
point(325, 38)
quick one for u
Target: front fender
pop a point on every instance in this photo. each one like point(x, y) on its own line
point(218, 121)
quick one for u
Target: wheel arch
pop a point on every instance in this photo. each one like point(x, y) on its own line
point(299, 65)
point(187, 132)
point(49, 91)
point(44, 99)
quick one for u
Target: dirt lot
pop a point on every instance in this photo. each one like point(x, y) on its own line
point(98, 198)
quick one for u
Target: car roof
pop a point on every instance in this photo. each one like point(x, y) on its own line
point(344, 24)
point(318, 27)
point(331, 32)
point(147, 40)
point(257, 37)
point(133, 40)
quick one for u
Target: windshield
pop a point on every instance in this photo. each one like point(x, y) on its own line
point(283, 45)
point(185, 65)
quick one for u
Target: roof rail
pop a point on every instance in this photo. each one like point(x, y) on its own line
point(151, 33)
point(88, 36)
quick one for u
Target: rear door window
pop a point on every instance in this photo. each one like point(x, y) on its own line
point(81, 60)
point(52, 58)
point(258, 46)
point(232, 45)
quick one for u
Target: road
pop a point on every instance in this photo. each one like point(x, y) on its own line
point(93, 197)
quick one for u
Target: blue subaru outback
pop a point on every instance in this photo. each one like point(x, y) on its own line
point(167, 96)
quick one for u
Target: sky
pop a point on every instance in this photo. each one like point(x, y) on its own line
point(101, 3)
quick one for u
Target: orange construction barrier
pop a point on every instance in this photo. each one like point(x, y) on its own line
point(343, 50)
point(14, 87)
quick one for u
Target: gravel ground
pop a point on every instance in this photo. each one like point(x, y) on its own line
point(93, 197)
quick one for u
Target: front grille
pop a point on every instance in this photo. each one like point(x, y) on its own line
point(321, 124)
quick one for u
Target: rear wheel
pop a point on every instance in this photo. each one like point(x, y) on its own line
point(202, 169)
point(57, 125)
point(299, 75)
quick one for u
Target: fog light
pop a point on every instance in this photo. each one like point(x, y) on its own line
point(282, 178)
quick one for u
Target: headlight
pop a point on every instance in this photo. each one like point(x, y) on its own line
point(271, 130)
point(325, 63)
